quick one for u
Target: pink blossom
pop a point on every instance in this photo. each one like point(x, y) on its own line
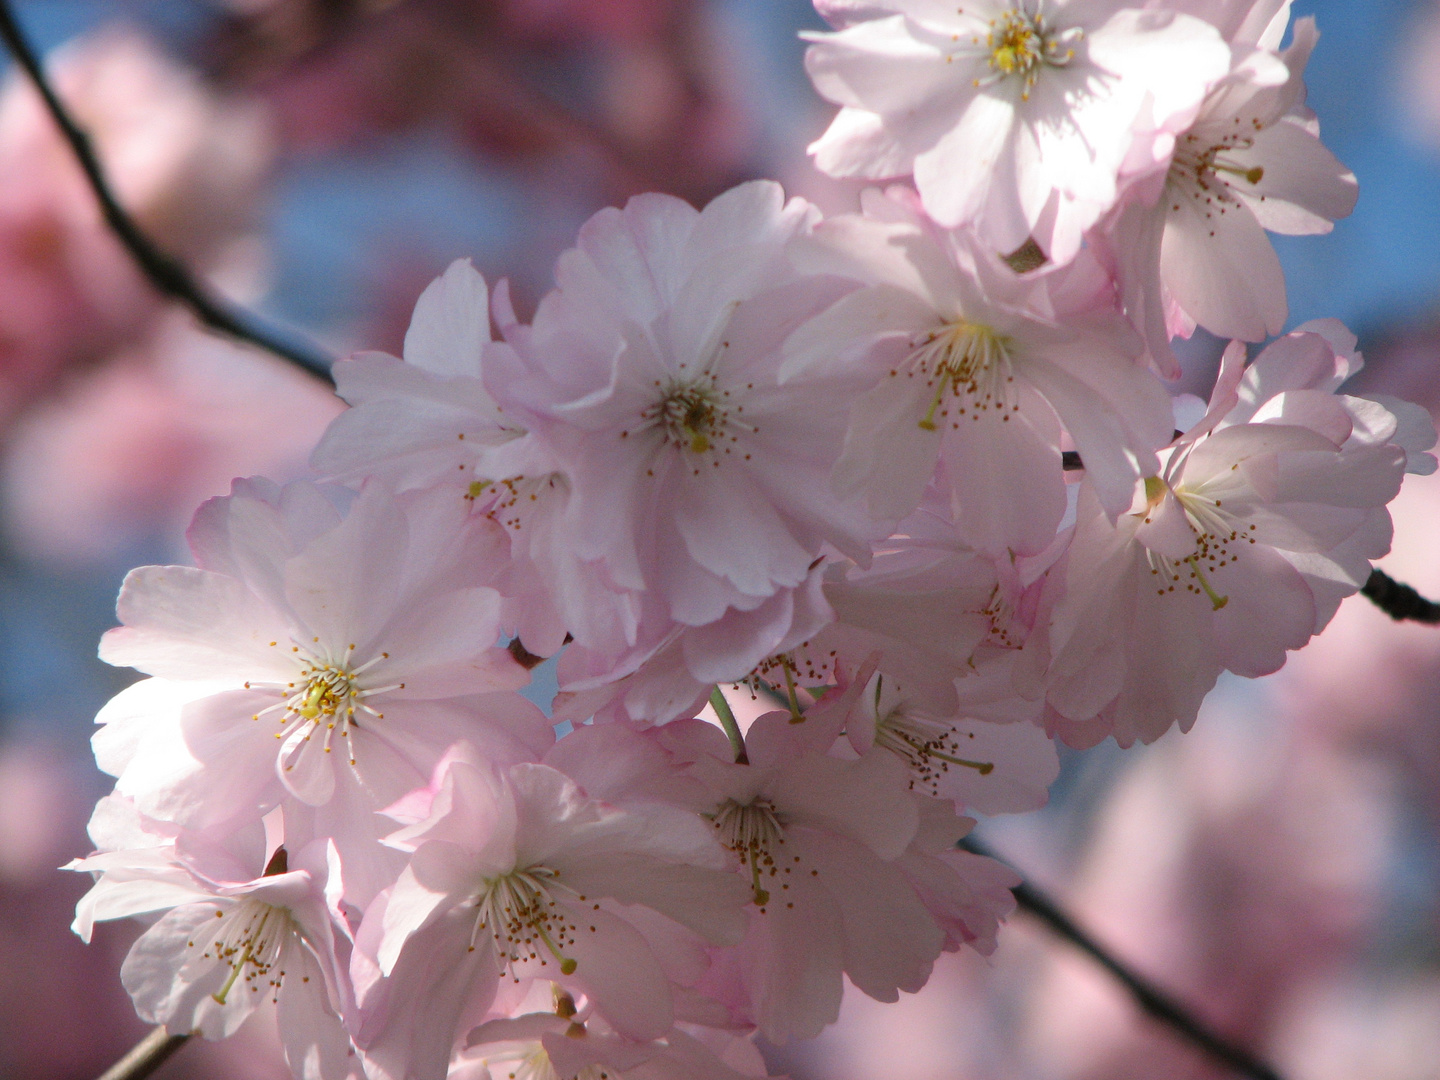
point(920, 663)
point(571, 1040)
point(1247, 23)
point(980, 765)
point(942, 624)
point(656, 685)
point(977, 367)
point(967, 895)
point(1015, 117)
point(228, 938)
point(824, 845)
point(427, 422)
point(1189, 240)
point(1267, 513)
point(651, 379)
point(517, 873)
point(319, 658)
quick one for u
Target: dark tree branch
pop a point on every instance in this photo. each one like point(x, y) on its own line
point(1400, 602)
point(166, 274)
point(148, 1055)
point(1149, 997)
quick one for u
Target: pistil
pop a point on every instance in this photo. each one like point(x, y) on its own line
point(752, 831)
point(522, 915)
point(1022, 43)
point(928, 746)
point(251, 936)
point(325, 691)
point(967, 360)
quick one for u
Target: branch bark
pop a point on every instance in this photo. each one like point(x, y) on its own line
point(1400, 602)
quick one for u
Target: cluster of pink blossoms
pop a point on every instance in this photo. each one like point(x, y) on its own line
point(912, 472)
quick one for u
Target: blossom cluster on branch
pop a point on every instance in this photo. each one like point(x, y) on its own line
point(821, 458)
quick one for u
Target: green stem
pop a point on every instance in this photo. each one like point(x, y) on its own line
point(728, 722)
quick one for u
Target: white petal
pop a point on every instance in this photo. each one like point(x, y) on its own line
point(1222, 271)
point(183, 623)
point(1304, 188)
point(451, 324)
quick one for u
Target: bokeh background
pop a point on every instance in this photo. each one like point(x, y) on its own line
point(322, 160)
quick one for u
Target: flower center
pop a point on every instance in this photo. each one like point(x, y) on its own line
point(969, 361)
point(249, 940)
point(325, 694)
point(1218, 542)
point(509, 502)
point(752, 831)
point(1201, 171)
point(1022, 43)
point(800, 673)
point(690, 415)
point(1016, 42)
point(1000, 614)
point(801, 666)
point(524, 919)
point(530, 1061)
point(927, 745)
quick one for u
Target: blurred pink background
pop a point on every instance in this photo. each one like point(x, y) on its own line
point(321, 160)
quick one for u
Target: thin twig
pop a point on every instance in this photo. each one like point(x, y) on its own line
point(166, 274)
point(1400, 602)
point(1149, 997)
point(148, 1055)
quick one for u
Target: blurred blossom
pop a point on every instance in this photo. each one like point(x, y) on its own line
point(1238, 867)
point(956, 1027)
point(39, 797)
point(127, 454)
point(1390, 1032)
point(605, 97)
point(1371, 684)
point(608, 19)
point(187, 165)
point(1421, 74)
